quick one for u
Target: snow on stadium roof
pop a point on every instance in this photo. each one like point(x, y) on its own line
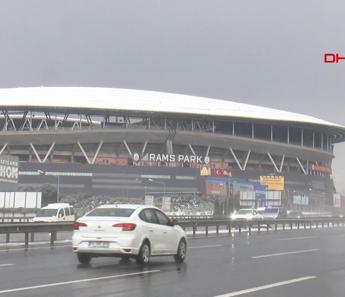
point(112, 99)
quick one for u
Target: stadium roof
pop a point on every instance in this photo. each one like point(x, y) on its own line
point(112, 99)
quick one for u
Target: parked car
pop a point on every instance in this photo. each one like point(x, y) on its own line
point(246, 214)
point(273, 212)
point(55, 212)
point(295, 214)
point(128, 231)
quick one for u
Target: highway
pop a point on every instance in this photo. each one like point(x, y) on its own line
point(276, 264)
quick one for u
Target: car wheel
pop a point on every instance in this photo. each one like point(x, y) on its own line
point(181, 251)
point(84, 258)
point(144, 254)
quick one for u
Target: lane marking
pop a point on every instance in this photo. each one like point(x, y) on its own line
point(205, 246)
point(35, 248)
point(269, 286)
point(78, 281)
point(6, 265)
point(285, 253)
point(295, 238)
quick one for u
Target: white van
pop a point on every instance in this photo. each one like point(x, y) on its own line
point(55, 212)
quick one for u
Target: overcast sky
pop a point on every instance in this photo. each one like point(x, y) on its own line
point(267, 53)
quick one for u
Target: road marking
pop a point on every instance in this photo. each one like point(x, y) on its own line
point(6, 265)
point(205, 246)
point(269, 286)
point(285, 253)
point(78, 281)
point(35, 248)
point(295, 238)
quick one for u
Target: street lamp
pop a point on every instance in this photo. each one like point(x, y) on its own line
point(41, 172)
point(160, 183)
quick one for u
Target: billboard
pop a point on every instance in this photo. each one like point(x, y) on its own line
point(215, 186)
point(20, 199)
point(8, 169)
point(260, 191)
point(336, 200)
point(273, 183)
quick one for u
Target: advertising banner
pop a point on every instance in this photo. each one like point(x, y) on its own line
point(8, 169)
point(215, 186)
point(273, 183)
point(260, 191)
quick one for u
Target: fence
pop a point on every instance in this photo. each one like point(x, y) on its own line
point(29, 229)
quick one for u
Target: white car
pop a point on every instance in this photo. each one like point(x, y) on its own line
point(246, 214)
point(128, 231)
point(55, 212)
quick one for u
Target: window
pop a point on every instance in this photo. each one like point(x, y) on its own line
point(111, 212)
point(307, 137)
point(148, 216)
point(67, 212)
point(243, 129)
point(162, 218)
point(295, 135)
point(46, 213)
point(262, 131)
point(60, 213)
point(280, 133)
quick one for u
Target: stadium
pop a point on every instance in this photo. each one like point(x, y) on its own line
point(121, 142)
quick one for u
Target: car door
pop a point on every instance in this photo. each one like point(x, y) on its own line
point(168, 234)
point(150, 230)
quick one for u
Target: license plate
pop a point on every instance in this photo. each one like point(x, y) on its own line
point(99, 244)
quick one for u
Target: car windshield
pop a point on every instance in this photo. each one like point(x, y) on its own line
point(271, 210)
point(245, 211)
point(111, 212)
point(46, 213)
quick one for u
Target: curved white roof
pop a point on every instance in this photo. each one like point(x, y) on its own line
point(147, 101)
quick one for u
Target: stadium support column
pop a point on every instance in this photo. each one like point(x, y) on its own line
point(3, 148)
point(144, 148)
point(274, 163)
point(127, 148)
point(46, 155)
point(169, 147)
point(97, 152)
point(242, 168)
point(84, 153)
point(305, 171)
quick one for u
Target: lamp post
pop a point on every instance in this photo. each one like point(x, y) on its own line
point(41, 172)
point(160, 183)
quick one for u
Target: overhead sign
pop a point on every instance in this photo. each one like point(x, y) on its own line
point(176, 158)
point(8, 169)
point(273, 183)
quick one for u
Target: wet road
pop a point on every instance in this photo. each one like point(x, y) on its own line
point(277, 264)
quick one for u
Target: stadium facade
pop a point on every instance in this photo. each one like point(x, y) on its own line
point(129, 142)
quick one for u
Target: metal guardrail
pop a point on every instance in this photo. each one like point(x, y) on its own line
point(29, 229)
point(260, 225)
point(32, 228)
point(16, 219)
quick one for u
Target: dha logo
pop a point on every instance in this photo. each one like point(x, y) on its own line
point(333, 58)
